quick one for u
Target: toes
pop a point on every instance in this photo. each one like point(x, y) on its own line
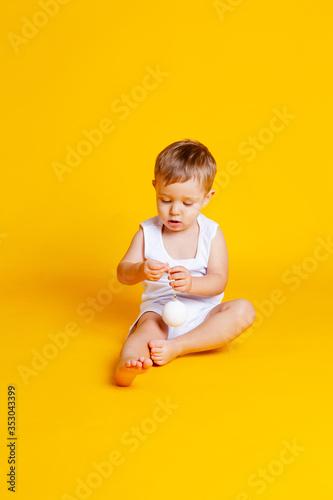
point(155, 343)
point(158, 361)
point(157, 358)
point(133, 363)
point(147, 363)
point(157, 350)
point(140, 363)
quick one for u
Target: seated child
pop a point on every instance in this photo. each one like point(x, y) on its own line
point(182, 245)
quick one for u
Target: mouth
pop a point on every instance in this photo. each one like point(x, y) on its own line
point(174, 223)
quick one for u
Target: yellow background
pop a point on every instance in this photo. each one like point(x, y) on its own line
point(60, 243)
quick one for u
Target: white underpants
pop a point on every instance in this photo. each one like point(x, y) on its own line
point(197, 312)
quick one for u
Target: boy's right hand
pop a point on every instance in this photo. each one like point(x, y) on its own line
point(153, 270)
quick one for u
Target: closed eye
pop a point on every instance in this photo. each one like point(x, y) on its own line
point(168, 201)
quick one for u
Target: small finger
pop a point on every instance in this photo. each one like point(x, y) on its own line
point(157, 265)
point(156, 273)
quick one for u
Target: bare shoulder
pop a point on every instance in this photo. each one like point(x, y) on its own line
point(135, 252)
point(219, 235)
point(218, 258)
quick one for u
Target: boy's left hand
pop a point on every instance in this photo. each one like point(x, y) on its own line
point(182, 277)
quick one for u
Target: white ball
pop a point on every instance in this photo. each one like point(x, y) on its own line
point(174, 313)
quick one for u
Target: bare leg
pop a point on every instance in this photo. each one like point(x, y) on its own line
point(135, 354)
point(222, 324)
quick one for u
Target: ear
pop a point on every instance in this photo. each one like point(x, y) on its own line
point(154, 183)
point(208, 197)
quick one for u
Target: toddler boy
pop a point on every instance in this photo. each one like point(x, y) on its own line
point(179, 250)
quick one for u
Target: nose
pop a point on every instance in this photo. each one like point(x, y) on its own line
point(175, 209)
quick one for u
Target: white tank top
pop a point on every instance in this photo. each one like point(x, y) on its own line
point(159, 292)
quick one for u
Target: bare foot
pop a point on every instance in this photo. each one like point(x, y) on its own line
point(128, 368)
point(163, 351)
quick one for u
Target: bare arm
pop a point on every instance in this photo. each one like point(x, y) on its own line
point(133, 268)
point(129, 270)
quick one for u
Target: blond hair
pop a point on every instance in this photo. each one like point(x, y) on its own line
point(185, 160)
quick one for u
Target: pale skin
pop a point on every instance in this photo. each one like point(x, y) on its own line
point(148, 343)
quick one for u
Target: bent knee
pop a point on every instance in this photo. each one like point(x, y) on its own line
point(153, 322)
point(246, 311)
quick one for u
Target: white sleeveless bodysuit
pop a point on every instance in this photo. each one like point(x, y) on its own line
point(158, 293)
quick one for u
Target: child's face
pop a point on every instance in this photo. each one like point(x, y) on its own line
point(179, 204)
